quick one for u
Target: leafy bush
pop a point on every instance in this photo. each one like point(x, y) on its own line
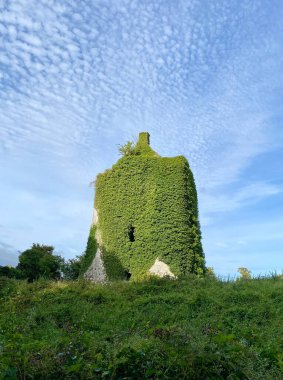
point(128, 149)
point(71, 268)
point(39, 261)
point(10, 272)
point(245, 273)
point(190, 328)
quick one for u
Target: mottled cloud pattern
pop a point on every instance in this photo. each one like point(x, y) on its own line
point(78, 78)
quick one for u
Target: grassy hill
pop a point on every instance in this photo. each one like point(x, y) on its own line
point(189, 328)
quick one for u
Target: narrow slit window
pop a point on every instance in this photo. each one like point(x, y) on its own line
point(131, 233)
point(127, 275)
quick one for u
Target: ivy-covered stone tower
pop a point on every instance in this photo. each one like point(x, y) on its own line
point(145, 219)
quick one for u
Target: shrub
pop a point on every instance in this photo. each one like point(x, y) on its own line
point(39, 261)
point(128, 149)
point(245, 273)
point(10, 272)
point(71, 268)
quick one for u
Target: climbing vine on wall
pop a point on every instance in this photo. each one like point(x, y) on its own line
point(147, 208)
point(90, 251)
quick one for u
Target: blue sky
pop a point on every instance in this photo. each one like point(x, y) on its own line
point(204, 78)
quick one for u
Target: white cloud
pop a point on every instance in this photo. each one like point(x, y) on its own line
point(215, 202)
point(77, 80)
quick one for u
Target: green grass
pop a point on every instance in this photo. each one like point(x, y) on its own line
point(189, 328)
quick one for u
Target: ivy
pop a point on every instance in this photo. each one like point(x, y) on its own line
point(90, 251)
point(147, 208)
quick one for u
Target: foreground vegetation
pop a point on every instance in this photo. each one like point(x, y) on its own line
point(191, 328)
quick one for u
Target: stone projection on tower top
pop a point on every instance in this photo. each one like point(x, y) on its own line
point(145, 218)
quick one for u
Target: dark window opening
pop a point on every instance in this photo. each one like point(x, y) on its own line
point(131, 233)
point(127, 275)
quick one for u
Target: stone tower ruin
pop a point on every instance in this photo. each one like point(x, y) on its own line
point(145, 218)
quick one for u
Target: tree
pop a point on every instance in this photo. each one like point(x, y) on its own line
point(39, 261)
point(71, 268)
point(11, 272)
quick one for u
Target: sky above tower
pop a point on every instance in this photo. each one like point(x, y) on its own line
point(203, 77)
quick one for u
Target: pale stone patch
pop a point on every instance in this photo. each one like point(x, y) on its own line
point(94, 217)
point(96, 272)
point(98, 237)
point(161, 269)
